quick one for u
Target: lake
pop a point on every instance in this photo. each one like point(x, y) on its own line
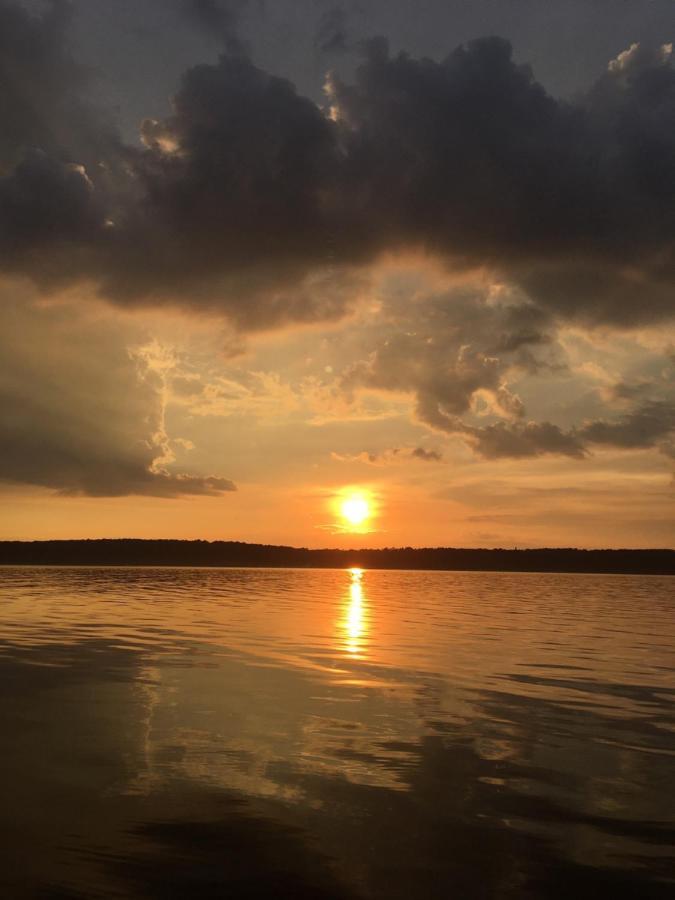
point(321, 734)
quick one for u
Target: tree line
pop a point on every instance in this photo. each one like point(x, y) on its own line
point(131, 552)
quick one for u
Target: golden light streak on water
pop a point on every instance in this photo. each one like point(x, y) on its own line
point(354, 624)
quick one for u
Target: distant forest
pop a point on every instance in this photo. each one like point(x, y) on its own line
point(233, 553)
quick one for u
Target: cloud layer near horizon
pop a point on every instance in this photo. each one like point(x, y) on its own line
point(82, 413)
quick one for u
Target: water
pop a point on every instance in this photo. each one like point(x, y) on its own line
point(333, 734)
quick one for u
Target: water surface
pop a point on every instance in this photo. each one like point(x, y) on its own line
point(335, 734)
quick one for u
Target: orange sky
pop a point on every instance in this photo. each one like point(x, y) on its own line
point(419, 276)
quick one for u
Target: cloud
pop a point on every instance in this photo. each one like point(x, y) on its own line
point(48, 209)
point(468, 159)
point(333, 32)
point(254, 395)
point(42, 101)
point(219, 19)
point(471, 159)
point(40, 80)
point(81, 412)
point(455, 352)
point(250, 200)
point(648, 426)
point(61, 162)
point(521, 439)
point(464, 354)
point(427, 455)
point(389, 457)
point(234, 216)
point(645, 426)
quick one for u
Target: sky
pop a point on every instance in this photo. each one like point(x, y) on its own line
point(261, 259)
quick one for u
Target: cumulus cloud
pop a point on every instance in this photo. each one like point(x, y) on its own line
point(455, 351)
point(461, 355)
point(235, 215)
point(250, 199)
point(471, 159)
point(80, 412)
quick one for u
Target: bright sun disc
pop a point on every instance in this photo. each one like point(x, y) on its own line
point(355, 509)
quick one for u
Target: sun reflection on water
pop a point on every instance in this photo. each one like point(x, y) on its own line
point(354, 625)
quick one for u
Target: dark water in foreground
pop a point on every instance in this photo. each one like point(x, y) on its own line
point(326, 734)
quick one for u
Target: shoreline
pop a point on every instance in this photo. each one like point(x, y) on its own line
point(167, 553)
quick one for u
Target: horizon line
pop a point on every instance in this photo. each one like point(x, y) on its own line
point(404, 547)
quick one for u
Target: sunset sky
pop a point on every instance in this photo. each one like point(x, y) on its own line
point(261, 259)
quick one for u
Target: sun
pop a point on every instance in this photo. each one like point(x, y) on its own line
point(355, 509)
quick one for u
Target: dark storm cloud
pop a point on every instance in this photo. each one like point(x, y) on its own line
point(61, 163)
point(47, 207)
point(231, 221)
point(40, 80)
point(238, 185)
point(472, 160)
point(41, 101)
point(79, 413)
point(248, 184)
point(252, 200)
